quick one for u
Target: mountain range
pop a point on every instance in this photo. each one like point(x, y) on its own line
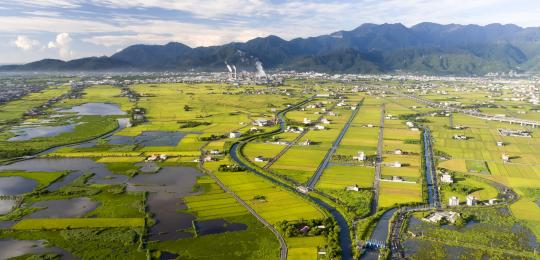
point(429, 48)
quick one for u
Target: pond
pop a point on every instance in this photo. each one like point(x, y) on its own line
point(78, 165)
point(177, 180)
point(11, 248)
point(15, 185)
point(166, 187)
point(169, 222)
point(216, 226)
point(95, 109)
point(66, 208)
point(28, 133)
point(149, 138)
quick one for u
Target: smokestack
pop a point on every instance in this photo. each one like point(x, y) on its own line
point(229, 68)
point(234, 73)
point(260, 70)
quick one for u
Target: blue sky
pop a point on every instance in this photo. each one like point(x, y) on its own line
point(68, 29)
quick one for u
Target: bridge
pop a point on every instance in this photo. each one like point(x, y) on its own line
point(373, 243)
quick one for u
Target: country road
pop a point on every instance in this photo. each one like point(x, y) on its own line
point(315, 178)
point(378, 162)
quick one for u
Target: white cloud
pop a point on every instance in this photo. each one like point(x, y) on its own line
point(62, 42)
point(25, 43)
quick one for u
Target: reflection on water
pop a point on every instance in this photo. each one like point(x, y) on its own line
point(216, 226)
point(15, 185)
point(164, 207)
point(149, 138)
point(166, 188)
point(67, 208)
point(11, 248)
point(177, 180)
point(80, 165)
point(95, 109)
point(28, 133)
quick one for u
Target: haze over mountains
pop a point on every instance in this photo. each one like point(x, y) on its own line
point(370, 48)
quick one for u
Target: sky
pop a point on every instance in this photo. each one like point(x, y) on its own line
point(68, 29)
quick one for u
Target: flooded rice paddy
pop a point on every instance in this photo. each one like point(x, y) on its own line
point(95, 109)
point(149, 138)
point(66, 208)
point(29, 133)
point(15, 185)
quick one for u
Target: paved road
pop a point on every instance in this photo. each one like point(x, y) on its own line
point(315, 178)
point(431, 174)
point(284, 150)
point(378, 162)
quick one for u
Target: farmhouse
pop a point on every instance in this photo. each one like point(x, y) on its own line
point(262, 122)
point(319, 127)
point(436, 217)
point(460, 137)
point(453, 201)
point(505, 157)
point(471, 200)
point(303, 189)
point(235, 134)
point(307, 142)
point(500, 143)
point(447, 178)
point(398, 151)
point(360, 157)
point(259, 159)
point(395, 165)
point(352, 188)
point(307, 121)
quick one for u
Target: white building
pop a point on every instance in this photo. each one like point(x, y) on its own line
point(453, 201)
point(395, 165)
point(320, 127)
point(500, 143)
point(325, 121)
point(447, 178)
point(505, 157)
point(436, 217)
point(360, 157)
point(235, 134)
point(398, 151)
point(259, 159)
point(409, 124)
point(307, 121)
point(303, 189)
point(352, 188)
point(471, 200)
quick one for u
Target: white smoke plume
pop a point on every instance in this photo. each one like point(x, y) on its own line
point(260, 70)
point(228, 67)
